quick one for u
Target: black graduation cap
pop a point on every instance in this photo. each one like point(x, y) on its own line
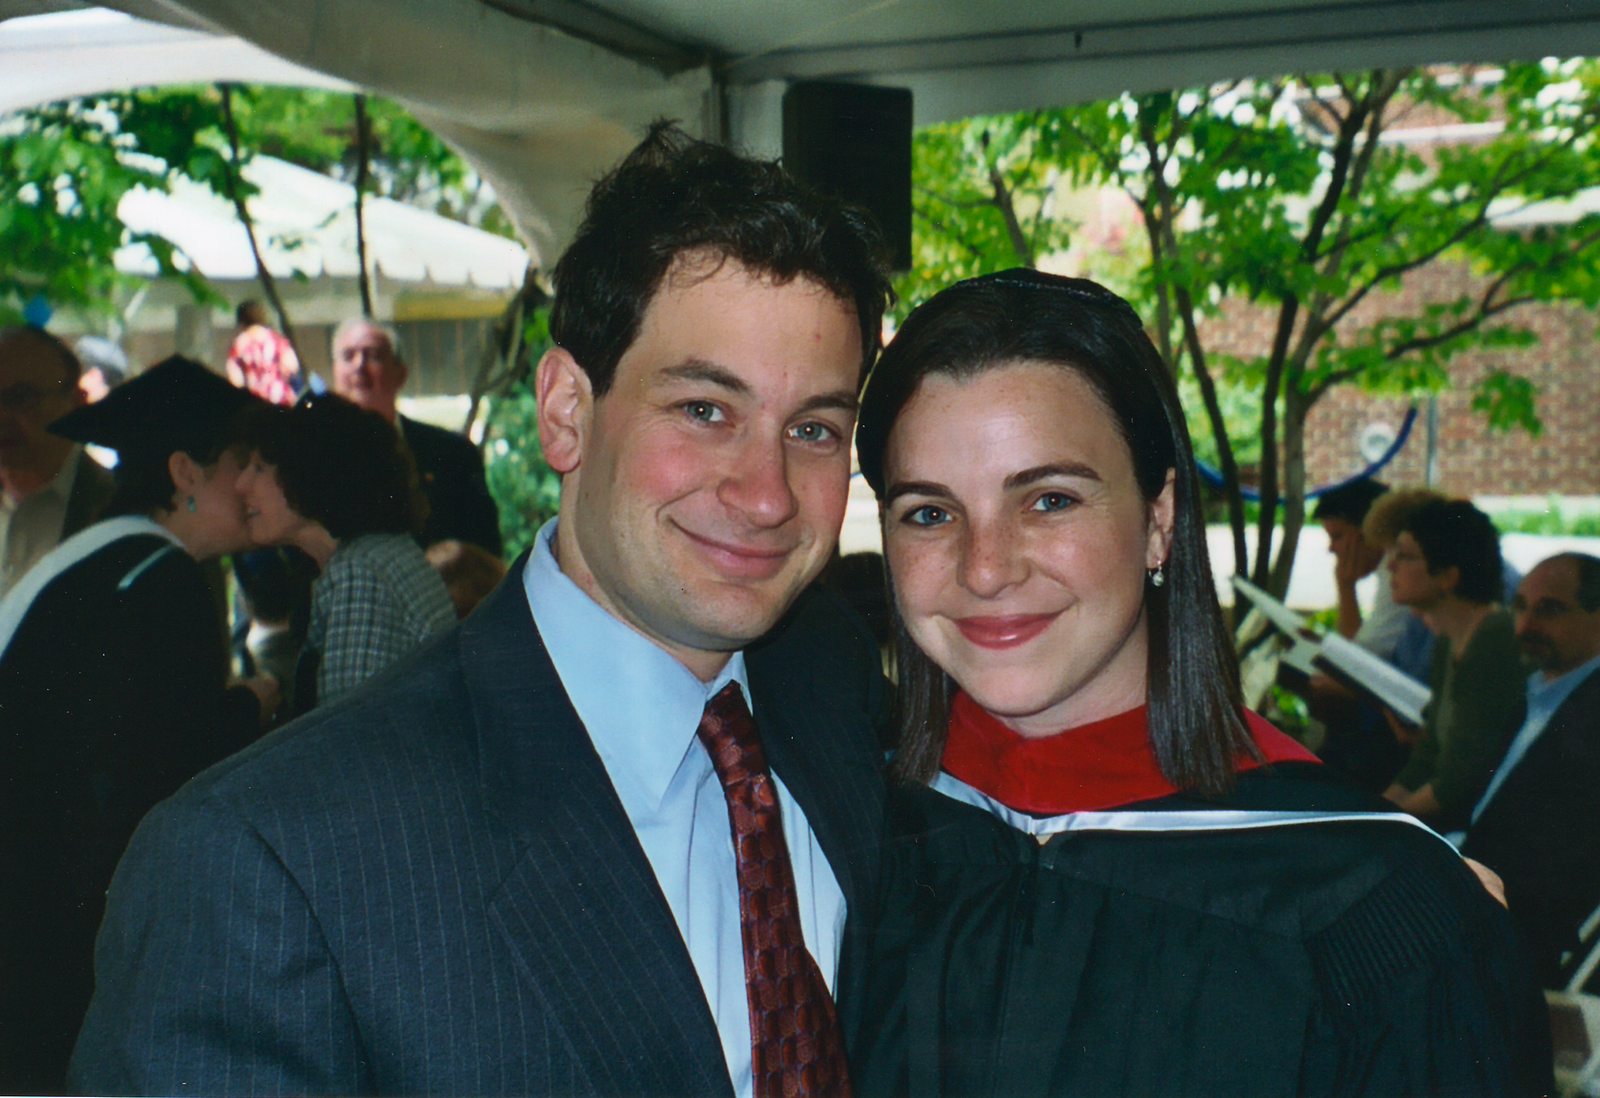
point(175, 405)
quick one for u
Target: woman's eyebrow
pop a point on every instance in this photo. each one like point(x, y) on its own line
point(914, 488)
point(1044, 472)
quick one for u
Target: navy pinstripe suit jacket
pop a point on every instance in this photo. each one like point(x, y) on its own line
point(431, 888)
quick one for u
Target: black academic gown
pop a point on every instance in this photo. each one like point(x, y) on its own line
point(112, 693)
point(1343, 958)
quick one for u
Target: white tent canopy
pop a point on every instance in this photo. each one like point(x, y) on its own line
point(305, 225)
point(541, 95)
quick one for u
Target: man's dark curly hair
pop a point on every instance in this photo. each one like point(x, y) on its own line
point(342, 466)
point(675, 197)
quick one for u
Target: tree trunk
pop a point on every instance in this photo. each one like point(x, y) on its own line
point(363, 149)
point(231, 177)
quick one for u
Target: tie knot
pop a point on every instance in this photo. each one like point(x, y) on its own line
point(729, 733)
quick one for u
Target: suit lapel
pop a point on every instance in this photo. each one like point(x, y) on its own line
point(581, 910)
point(817, 736)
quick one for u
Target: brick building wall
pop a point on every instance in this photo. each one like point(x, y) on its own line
point(1471, 459)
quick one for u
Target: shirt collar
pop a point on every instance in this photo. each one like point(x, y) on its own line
point(1550, 693)
point(644, 727)
point(58, 487)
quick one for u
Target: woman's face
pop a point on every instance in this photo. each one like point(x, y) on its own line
point(1410, 582)
point(217, 503)
point(1019, 541)
point(271, 520)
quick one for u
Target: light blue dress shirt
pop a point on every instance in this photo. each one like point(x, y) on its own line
point(642, 708)
point(1544, 698)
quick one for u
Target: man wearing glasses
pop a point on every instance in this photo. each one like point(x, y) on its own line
point(1538, 823)
point(49, 488)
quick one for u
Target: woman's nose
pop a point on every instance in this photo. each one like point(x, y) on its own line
point(992, 559)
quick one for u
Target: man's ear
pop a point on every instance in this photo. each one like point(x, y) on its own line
point(1159, 545)
point(566, 400)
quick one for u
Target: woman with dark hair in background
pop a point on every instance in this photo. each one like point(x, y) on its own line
point(1103, 875)
point(1445, 565)
point(337, 482)
point(113, 691)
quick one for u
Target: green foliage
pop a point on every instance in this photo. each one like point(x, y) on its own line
point(1292, 195)
point(64, 168)
point(1552, 520)
point(62, 173)
point(1507, 402)
point(527, 491)
point(981, 201)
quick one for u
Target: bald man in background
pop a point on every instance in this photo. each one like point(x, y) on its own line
point(369, 369)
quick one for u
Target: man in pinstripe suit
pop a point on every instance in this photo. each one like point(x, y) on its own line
point(505, 867)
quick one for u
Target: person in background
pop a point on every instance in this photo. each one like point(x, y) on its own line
point(113, 691)
point(262, 360)
point(1340, 512)
point(469, 572)
point(1103, 877)
point(369, 370)
point(49, 488)
point(1358, 740)
point(336, 482)
point(1445, 565)
point(1538, 823)
point(104, 366)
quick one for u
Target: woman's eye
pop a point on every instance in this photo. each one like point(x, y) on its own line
point(704, 411)
point(1053, 501)
point(812, 432)
point(927, 515)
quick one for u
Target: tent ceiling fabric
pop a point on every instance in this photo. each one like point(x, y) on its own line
point(542, 95)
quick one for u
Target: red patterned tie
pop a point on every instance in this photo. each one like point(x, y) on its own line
point(796, 1046)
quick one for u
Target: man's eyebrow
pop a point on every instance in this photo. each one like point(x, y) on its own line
point(914, 488)
point(840, 400)
point(1044, 472)
point(698, 369)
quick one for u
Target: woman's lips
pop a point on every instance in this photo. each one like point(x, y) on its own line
point(1004, 632)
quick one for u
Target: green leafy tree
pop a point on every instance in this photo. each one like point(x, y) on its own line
point(1291, 196)
point(63, 170)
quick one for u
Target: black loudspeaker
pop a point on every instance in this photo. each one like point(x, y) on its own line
point(854, 140)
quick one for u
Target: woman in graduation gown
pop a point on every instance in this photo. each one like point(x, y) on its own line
point(113, 691)
point(1104, 876)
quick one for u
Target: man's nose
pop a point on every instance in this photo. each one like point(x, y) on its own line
point(758, 484)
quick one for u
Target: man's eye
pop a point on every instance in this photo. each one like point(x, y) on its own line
point(927, 515)
point(812, 432)
point(1053, 501)
point(704, 411)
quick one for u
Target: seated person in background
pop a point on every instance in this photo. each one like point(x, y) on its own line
point(1340, 512)
point(1538, 823)
point(368, 369)
point(1446, 565)
point(337, 482)
point(1358, 741)
point(469, 573)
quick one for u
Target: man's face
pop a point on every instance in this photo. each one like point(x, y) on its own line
point(365, 369)
point(34, 392)
point(705, 489)
point(1555, 633)
point(1350, 550)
